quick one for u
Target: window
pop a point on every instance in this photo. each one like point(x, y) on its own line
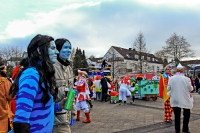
point(153, 59)
point(148, 58)
point(136, 68)
point(127, 55)
point(136, 56)
point(153, 69)
point(158, 68)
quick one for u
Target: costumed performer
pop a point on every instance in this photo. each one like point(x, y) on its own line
point(34, 88)
point(83, 95)
point(134, 90)
point(64, 81)
point(163, 93)
point(180, 87)
point(124, 90)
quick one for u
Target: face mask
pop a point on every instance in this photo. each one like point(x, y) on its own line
point(66, 50)
point(53, 52)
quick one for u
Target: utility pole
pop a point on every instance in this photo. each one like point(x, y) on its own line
point(113, 63)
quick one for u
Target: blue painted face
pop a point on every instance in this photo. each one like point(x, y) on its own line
point(53, 52)
point(65, 51)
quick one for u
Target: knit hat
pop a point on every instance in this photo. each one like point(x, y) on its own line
point(179, 68)
point(59, 43)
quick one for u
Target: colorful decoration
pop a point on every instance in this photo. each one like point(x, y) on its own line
point(149, 82)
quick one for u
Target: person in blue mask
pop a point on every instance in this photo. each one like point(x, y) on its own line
point(64, 81)
point(34, 88)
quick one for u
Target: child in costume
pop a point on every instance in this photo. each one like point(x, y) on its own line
point(83, 95)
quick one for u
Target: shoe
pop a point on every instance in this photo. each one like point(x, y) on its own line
point(78, 115)
point(87, 120)
point(187, 132)
point(119, 103)
point(91, 105)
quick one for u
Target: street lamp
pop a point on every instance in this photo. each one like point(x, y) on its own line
point(113, 63)
point(112, 58)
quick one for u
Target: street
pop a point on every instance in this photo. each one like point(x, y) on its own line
point(142, 117)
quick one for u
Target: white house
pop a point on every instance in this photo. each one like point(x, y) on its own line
point(125, 61)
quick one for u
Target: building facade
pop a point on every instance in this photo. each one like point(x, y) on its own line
point(124, 61)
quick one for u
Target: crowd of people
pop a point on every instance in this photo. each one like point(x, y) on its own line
point(33, 99)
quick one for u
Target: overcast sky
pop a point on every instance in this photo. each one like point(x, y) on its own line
point(96, 25)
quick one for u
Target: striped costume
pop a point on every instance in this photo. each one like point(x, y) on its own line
point(29, 108)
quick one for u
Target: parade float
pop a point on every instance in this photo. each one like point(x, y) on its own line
point(147, 88)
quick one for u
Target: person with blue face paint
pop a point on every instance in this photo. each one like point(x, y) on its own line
point(53, 52)
point(64, 81)
point(34, 89)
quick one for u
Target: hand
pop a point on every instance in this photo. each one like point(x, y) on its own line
point(62, 103)
point(72, 122)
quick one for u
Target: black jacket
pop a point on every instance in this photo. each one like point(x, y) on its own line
point(104, 81)
point(197, 84)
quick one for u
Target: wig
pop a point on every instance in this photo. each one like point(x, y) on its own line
point(38, 57)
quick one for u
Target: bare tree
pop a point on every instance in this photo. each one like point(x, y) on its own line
point(140, 46)
point(177, 48)
point(11, 52)
point(162, 55)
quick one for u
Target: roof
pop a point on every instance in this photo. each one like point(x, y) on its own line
point(128, 54)
point(95, 59)
point(190, 63)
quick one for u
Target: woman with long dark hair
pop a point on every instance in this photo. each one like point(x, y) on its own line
point(34, 88)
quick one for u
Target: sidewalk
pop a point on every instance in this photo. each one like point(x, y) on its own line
point(142, 117)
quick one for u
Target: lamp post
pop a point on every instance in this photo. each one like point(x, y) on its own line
point(113, 63)
point(112, 57)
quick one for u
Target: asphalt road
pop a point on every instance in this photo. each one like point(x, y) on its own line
point(142, 117)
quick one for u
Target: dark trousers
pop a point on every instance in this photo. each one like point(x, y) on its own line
point(104, 94)
point(133, 98)
point(186, 118)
